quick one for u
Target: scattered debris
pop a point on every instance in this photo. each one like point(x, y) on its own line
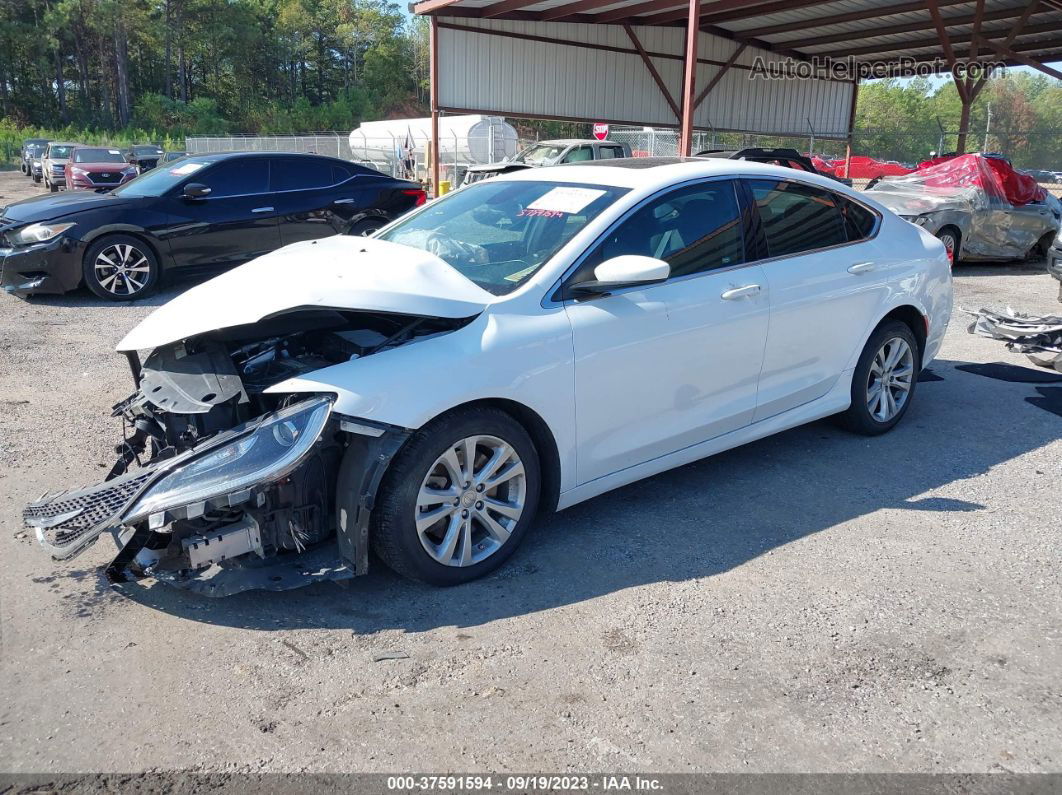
point(389, 655)
point(296, 649)
point(1037, 336)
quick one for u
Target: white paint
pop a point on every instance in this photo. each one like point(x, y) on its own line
point(629, 384)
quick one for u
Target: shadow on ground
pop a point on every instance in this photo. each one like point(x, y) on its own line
point(689, 523)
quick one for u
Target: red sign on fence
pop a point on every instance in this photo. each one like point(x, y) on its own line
point(600, 131)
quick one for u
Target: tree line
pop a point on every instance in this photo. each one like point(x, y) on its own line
point(209, 66)
point(117, 70)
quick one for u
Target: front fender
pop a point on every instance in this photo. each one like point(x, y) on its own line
point(525, 358)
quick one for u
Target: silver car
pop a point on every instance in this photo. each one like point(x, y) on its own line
point(54, 162)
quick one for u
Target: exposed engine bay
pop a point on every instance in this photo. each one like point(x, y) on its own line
point(217, 480)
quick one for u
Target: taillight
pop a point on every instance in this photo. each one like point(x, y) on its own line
point(421, 196)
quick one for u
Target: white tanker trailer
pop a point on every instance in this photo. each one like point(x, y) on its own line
point(463, 141)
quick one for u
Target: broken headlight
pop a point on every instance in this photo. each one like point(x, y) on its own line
point(264, 454)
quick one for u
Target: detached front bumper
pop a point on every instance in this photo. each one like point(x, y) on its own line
point(227, 471)
point(52, 267)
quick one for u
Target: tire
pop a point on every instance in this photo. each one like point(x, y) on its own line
point(950, 238)
point(136, 265)
point(869, 417)
point(36, 180)
point(366, 226)
point(1042, 245)
point(52, 186)
point(394, 524)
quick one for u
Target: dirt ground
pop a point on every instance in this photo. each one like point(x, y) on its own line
point(811, 602)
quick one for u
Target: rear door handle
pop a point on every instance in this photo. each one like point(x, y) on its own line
point(343, 201)
point(262, 210)
point(740, 292)
point(861, 267)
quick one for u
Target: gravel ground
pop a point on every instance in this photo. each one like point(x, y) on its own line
point(811, 602)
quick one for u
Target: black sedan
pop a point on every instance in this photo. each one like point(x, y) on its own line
point(144, 157)
point(200, 213)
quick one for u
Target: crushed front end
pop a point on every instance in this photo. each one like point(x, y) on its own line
point(221, 486)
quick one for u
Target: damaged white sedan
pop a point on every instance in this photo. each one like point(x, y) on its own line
point(521, 345)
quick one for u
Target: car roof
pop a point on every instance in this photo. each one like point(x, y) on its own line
point(63, 143)
point(218, 156)
point(660, 172)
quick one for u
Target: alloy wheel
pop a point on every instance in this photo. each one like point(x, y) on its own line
point(890, 379)
point(948, 239)
point(122, 269)
point(470, 501)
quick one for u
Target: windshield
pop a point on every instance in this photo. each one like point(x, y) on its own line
point(498, 233)
point(34, 150)
point(159, 180)
point(540, 154)
point(83, 155)
point(59, 152)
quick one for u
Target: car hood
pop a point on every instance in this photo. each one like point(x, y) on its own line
point(345, 273)
point(96, 168)
point(52, 206)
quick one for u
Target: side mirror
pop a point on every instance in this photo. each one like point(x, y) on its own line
point(626, 270)
point(196, 190)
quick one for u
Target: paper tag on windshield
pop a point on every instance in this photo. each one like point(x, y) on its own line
point(565, 200)
point(187, 168)
point(114, 151)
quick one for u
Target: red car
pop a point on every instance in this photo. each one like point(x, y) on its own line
point(94, 167)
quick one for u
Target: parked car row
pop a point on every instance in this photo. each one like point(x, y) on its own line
point(95, 166)
point(196, 213)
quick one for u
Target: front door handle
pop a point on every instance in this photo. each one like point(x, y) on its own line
point(740, 292)
point(861, 267)
point(343, 201)
point(262, 210)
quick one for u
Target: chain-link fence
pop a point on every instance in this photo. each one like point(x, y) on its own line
point(405, 155)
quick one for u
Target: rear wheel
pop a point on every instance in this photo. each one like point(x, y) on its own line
point(884, 381)
point(950, 238)
point(120, 268)
point(458, 498)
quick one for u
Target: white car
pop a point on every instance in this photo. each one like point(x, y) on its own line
point(518, 346)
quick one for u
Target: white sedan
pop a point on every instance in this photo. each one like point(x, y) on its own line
point(518, 346)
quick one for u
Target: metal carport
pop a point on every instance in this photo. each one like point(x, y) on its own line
point(634, 62)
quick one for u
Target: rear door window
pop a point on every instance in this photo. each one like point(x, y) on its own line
point(299, 173)
point(579, 154)
point(859, 222)
point(797, 217)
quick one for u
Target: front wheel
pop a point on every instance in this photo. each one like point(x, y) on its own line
point(52, 186)
point(36, 179)
point(367, 226)
point(884, 380)
point(458, 498)
point(950, 238)
point(120, 268)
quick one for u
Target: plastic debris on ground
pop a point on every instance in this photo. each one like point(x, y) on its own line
point(1037, 336)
